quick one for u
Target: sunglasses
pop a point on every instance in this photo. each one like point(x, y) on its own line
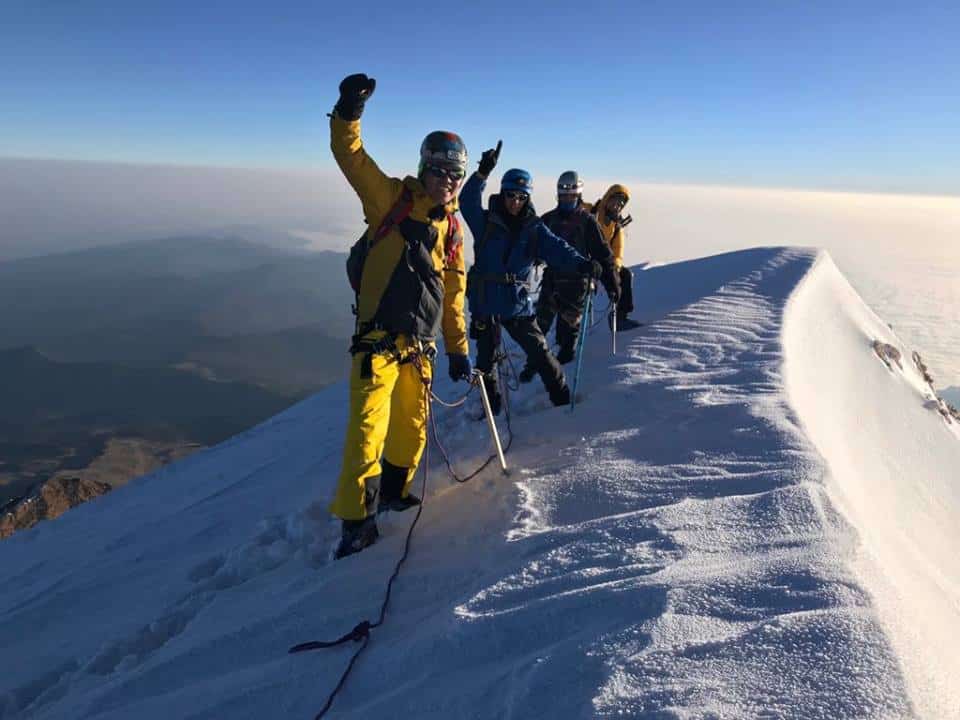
point(448, 173)
point(516, 195)
point(617, 200)
point(568, 188)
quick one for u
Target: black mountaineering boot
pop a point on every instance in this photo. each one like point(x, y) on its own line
point(626, 323)
point(392, 481)
point(357, 534)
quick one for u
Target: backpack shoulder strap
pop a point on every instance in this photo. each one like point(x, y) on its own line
point(398, 213)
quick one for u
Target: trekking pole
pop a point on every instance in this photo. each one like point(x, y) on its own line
point(580, 343)
point(478, 378)
point(613, 328)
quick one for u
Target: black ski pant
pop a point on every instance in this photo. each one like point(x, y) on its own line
point(625, 306)
point(526, 333)
point(562, 297)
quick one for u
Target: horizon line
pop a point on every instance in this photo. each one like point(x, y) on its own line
point(318, 170)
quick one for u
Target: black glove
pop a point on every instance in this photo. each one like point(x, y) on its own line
point(611, 282)
point(591, 268)
point(459, 366)
point(488, 161)
point(355, 90)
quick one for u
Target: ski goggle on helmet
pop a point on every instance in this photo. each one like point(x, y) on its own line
point(443, 154)
point(569, 183)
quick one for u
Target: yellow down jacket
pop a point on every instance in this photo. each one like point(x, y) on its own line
point(414, 279)
point(611, 229)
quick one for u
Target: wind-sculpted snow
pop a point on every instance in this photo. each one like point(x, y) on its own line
point(691, 514)
point(671, 549)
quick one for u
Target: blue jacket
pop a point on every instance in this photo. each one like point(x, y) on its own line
point(498, 284)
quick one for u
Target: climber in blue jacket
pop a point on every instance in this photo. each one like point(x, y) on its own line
point(508, 239)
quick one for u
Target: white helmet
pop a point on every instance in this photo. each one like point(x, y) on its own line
point(569, 183)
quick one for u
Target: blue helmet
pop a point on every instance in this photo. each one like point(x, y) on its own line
point(516, 179)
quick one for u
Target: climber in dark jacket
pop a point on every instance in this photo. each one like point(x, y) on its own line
point(563, 294)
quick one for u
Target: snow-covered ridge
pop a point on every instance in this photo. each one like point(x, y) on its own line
point(686, 544)
point(893, 469)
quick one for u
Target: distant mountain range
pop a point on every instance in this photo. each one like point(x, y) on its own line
point(186, 302)
point(57, 417)
point(117, 359)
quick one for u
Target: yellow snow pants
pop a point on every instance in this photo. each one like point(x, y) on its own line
point(388, 418)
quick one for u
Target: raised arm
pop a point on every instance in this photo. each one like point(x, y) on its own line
point(471, 205)
point(377, 191)
point(471, 197)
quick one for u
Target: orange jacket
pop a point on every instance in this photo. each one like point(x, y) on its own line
point(612, 229)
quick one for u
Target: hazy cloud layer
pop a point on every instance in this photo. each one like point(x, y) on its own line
point(49, 205)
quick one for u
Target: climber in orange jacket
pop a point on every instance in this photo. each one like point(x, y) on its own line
point(609, 211)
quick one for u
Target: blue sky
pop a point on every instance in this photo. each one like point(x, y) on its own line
point(838, 95)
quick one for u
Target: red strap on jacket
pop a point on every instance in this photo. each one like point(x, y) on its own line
point(454, 239)
point(398, 213)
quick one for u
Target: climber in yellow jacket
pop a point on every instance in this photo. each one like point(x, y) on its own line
point(411, 285)
point(609, 215)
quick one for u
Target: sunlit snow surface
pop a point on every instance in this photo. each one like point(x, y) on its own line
point(694, 541)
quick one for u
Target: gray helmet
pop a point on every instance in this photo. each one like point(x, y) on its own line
point(569, 183)
point(445, 149)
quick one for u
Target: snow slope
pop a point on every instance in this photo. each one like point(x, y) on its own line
point(900, 488)
point(691, 542)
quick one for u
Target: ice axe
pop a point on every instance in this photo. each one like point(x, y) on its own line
point(485, 399)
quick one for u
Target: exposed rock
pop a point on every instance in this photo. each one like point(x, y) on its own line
point(949, 412)
point(124, 459)
point(888, 353)
point(921, 366)
point(954, 413)
point(54, 498)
